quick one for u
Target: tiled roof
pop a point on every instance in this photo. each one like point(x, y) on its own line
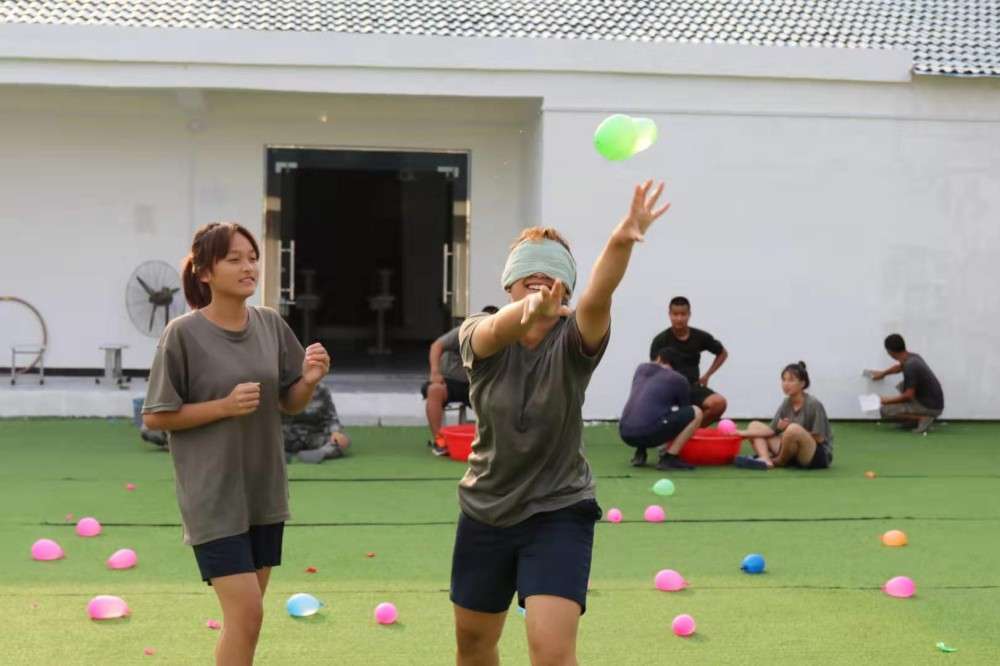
point(951, 37)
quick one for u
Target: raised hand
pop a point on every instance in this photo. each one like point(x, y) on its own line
point(643, 212)
point(316, 364)
point(242, 400)
point(546, 302)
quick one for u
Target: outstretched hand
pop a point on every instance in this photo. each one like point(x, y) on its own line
point(643, 212)
point(546, 302)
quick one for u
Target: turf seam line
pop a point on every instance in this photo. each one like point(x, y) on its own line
point(431, 523)
point(723, 588)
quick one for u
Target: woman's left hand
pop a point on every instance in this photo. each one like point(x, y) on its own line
point(642, 213)
point(316, 364)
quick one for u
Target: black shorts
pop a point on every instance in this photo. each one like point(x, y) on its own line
point(242, 553)
point(549, 553)
point(822, 459)
point(669, 428)
point(457, 391)
point(699, 394)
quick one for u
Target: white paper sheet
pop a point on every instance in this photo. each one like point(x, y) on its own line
point(870, 402)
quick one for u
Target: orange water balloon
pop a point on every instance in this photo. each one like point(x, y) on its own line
point(894, 538)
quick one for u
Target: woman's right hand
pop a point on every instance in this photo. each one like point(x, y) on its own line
point(243, 400)
point(545, 303)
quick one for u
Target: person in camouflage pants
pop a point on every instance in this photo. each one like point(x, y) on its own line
point(315, 434)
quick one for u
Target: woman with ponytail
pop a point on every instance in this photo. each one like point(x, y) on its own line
point(221, 378)
point(799, 435)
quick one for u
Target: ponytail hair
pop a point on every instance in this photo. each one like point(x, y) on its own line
point(797, 370)
point(210, 245)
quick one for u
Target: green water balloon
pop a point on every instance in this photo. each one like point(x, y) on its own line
point(664, 487)
point(645, 134)
point(615, 137)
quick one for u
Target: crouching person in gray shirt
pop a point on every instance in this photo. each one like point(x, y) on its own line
point(920, 398)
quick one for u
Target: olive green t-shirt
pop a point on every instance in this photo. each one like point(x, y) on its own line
point(528, 454)
point(229, 474)
point(811, 416)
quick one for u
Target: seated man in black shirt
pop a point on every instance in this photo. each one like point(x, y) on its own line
point(690, 343)
point(921, 399)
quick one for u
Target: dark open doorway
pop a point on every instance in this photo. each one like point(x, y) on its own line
point(372, 243)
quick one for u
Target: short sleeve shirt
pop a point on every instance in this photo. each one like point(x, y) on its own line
point(451, 358)
point(918, 376)
point(229, 474)
point(689, 351)
point(811, 416)
point(656, 392)
point(528, 454)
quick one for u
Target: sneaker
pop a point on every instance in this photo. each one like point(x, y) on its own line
point(670, 461)
point(923, 425)
point(439, 451)
point(747, 462)
point(639, 459)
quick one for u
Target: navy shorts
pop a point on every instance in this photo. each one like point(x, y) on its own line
point(822, 459)
point(548, 553)
point(242, 553)
point(457, 391)
point(666, 431)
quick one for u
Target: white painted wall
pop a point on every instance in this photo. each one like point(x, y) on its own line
point(806, 230)
point(103, 180)
point(810, 218)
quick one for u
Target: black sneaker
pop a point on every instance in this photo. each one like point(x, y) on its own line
point(437, 450)
point(746, 462)
point(639, 459)
point(670, 461)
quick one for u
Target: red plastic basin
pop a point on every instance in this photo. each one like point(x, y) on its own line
point(708, 446)
point(458, 440)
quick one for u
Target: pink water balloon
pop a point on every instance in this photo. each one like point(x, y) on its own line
point(386, 613)
point(122, 559)
point(88, 527)
point(654, 514)
point(45, 550)
point(130, 486)
point(668, 580)
point(727, 426)
point(683, 625)
point(107, 607)
point(215, 625)
point(615, 515)
point(900, 586)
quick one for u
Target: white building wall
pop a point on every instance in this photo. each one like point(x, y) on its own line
point(96, 181)
point(808, 221)
point(810, 217)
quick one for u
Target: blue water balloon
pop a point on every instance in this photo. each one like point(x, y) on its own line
point(302, 605)
point(753, 563)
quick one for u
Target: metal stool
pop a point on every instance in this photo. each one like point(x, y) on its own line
point(27, 350)
point(113, 365)
point(459, 407)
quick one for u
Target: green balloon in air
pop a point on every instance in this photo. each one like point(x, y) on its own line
point(645, 134)
point(615, 138)
point(664, 487)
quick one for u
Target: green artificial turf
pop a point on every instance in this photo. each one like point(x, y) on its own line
point(818, 602)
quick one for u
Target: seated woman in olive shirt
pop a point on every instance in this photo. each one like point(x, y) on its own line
point(799, 435)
